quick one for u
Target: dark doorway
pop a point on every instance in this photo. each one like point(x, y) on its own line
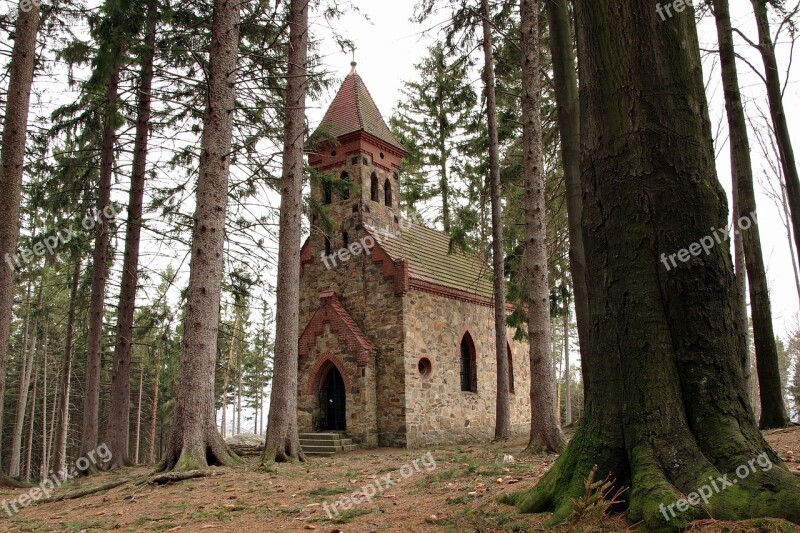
point(332, 401)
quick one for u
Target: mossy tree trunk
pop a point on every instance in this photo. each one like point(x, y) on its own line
point(283, 440)
point(666, 405)
point(194, 442)
point(565, 84)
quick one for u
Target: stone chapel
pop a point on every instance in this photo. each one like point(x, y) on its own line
point(397, 334)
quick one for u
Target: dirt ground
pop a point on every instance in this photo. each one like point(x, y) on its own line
point(458, 494)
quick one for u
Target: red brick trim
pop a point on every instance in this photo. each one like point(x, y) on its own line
point(320, 370)
point(455, 294)
point(333, 313)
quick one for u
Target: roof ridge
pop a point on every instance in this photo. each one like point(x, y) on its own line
point(356, 80)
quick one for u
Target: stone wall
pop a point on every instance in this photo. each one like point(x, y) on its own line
point(437, 410)
point(377, 395)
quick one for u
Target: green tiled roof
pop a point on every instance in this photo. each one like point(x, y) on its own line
point(427, 249)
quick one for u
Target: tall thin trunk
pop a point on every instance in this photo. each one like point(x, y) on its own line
point(779, 124)
point(788, 226)
point(283, 440)
point(239, 394)
point(100, 260)
point(567, 379)
point(194, 441)
point(138, 417)
point(545, 431)
point(46, 460)
point(502, 427)
point(565, 82)
point(154, 411)
point(26, 469)
point(444, 186)
point(44, 399)
point(773, 412)
point(119, 419)
point(226, 380)
point(740, 270)
point(12, 155)
point(60, 445)
point(26, 367)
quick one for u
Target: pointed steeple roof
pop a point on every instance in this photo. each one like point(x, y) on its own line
point(353, 109)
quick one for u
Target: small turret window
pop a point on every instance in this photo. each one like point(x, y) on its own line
point(374, 188)
point(346, 191)
point(327, 193)
point(387, 193)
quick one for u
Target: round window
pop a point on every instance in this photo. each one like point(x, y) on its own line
point(382, 156)
point(424, 366)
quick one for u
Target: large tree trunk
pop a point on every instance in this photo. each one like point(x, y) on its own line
point(565, 82)
point(194, 442)
point(119, 417)
point(779, 124)
point(545, 420)
point(502, 426)
point(773, 413)
point(151, 453)
point(666, 407)
point(60, 445)
point(740, 270)
point(100, 260)
point(283, 441)
point(15, 130)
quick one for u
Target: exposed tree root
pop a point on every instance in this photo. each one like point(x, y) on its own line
point(189, 455)
point(174, 477)
point(86, 492)
point(752, 489)
point(10, 482)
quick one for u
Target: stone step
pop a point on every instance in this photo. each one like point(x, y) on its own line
point(350, 447)
point(324, 442)
point(330, 449)
point(322, 436)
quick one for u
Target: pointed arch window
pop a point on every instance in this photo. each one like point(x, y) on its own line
point(387, 193)
point(469, 375)
point(374, 188)
point(346, 190)
point(328, 246)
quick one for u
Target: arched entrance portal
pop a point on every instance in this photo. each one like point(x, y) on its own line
point(333, 400)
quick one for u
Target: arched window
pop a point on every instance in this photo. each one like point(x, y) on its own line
point(387, 193)
point(345, 239)
point(469, 375)
point(346, 191)
point(328, 246)
point(510, 370)
point(373, 188)
point(327, 193)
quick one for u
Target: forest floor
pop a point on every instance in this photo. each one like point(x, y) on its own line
point(458, 494)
